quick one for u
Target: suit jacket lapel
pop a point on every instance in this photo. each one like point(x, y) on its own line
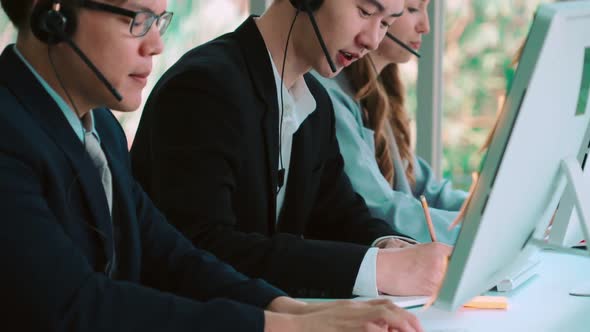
point(50, 117)
point(299, 171)
point(303, 161)
point(262, 76)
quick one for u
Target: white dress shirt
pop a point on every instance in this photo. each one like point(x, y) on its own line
point(299, 103)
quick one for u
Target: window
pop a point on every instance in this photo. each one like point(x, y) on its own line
point(482, 37)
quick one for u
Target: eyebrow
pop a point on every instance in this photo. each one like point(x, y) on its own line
point(381, 8)
point(138, 6)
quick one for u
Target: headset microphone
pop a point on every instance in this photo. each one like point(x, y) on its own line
point(92, 67)
point(402, 44)
point(56, 24)
point(306, 8)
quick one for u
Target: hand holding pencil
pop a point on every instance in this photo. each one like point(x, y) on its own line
point(445, 265)
point(428, 218)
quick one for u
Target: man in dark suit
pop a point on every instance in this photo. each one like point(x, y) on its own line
point(260, 185)
point(82, 246)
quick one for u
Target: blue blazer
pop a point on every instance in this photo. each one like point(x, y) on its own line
point(57, 239)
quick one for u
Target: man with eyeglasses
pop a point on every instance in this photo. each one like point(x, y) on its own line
point(82, 246)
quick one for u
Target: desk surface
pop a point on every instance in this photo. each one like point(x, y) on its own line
point(541, 304)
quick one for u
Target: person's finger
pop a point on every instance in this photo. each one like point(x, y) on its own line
point(407, 320)
point(382, 315)
point(377, 302)
point(387, 304)
point(413, 321)
point(401, 324)
point(377, 328)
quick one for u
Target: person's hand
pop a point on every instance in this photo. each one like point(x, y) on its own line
point(416, 270)
point(375, 315)
point(287, 305)
point(393, 243)
point(321, 306)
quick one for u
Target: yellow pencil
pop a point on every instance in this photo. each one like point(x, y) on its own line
point(428, 218)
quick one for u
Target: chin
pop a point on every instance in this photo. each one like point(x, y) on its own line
point(131, 100)
point(326, 71)
point(129, 107)
point(126, 105)
point(405, 59)
point(400, 57)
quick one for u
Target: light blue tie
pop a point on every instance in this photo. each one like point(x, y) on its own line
point(100, 161)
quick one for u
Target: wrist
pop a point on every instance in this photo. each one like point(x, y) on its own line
point(287, 305)
point(276, 322)
point(380, 242)
point(383, 277)
point(394, 270)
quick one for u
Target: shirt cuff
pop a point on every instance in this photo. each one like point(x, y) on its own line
point(366, 279)
point(403, 238)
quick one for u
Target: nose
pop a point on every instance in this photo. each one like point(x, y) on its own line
point(152, 43)
point(371, 36)
point(423, 26)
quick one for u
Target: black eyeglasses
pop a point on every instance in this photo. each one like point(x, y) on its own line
point(141, 21)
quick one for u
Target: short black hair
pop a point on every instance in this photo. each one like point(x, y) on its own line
point(17, 11)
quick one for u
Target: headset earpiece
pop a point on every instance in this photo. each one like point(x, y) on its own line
point(304, 5)
point(49, 25)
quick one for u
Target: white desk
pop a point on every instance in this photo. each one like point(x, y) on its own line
point(541, 304)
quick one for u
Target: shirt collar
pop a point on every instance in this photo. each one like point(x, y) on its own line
point(75, 122)
point(299, 96)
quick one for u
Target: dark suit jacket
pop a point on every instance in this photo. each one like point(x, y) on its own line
point(207, 153)
point(56, 234)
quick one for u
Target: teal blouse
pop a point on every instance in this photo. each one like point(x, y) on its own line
point(398, 205)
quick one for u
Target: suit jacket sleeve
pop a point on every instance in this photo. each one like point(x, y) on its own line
point(49, 285)
point(171, 263)
point(195, 138)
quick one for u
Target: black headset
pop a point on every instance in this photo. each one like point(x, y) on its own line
point(307, 5)
point(51, 21)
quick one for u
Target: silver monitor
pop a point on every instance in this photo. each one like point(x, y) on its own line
point(566, 230)
point(533, 155)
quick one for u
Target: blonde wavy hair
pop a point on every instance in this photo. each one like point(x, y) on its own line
point(382, 98)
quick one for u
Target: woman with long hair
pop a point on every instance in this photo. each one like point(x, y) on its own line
point(373, 130)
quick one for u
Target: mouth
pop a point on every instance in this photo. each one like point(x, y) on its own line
point(346, 58)
point(415, 45)
point(140, 78)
